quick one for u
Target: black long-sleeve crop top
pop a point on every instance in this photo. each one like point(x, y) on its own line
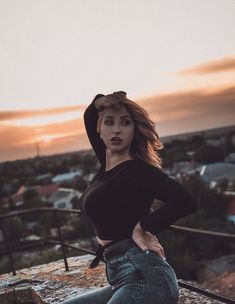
point(117, 199)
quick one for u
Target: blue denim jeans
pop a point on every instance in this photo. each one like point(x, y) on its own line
point(134, 277)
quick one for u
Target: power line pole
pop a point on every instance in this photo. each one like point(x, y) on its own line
point(38, 153)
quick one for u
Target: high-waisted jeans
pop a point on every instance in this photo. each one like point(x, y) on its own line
point(134, 277)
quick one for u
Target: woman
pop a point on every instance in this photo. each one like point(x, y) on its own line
point(118, 202)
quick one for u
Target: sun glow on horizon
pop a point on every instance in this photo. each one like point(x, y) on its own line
point(48, 138)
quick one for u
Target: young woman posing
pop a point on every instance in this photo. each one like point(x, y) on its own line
point(118, 202)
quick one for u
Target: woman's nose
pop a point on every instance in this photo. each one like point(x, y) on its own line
point(116, 128)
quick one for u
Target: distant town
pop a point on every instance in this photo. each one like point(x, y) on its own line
point(203, 161)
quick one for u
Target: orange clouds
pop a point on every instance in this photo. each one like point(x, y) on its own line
point(215, 66)
point(191, 103)
point(182, 112)
point(12, 115)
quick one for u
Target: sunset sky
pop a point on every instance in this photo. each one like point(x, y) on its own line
point(174, 57)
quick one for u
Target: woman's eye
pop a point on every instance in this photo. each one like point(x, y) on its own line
point(108, 122)
point(126, 122)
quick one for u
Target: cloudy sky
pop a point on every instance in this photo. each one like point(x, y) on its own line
point(174, 57)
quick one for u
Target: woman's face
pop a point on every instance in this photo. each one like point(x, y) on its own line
point(117, 130)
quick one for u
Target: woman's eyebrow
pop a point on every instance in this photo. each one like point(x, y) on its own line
point(124, 116)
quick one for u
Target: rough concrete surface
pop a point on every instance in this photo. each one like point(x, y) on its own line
point(50, 283)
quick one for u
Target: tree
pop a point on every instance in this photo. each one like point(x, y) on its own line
point(81, 226)
point(32, 199)
point(14, 228)
point(222, 184)
point(209, 154)
point(231, 187)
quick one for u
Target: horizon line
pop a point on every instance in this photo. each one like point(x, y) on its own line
point(88, 149)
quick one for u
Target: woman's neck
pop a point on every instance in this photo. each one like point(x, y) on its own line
point(114, 159)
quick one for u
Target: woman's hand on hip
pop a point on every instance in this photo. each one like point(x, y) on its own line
point(147, 241)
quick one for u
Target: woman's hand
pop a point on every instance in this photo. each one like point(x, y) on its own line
point(101, 103)
point(147, 241)
point(110, 99)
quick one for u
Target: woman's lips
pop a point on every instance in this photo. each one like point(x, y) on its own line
point(116, 140)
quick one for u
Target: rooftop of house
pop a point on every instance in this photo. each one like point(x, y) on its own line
point(52, 284)
point(66, 176)
point(43, 190)
point(43, 176)
point(47, 190)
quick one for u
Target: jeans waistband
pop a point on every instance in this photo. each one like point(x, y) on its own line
point(118, 248)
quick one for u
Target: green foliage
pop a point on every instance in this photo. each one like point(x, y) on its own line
point(231, 187)
point(185, 251)
point(89, 164)
point(14, 228)
point(32, 200)
point(3, 207)
point(48, 221)
point(210, 203)
point(45, 223)
point(81, 226)
point(174, 153)
point(209, 154)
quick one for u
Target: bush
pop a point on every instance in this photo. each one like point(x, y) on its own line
point(82, 228)
point(14, 228)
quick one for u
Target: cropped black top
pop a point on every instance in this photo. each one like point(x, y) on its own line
point(117, 199)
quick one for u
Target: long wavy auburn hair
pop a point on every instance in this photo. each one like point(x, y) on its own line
point(146, 142)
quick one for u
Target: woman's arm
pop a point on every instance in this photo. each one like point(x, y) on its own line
point(178, 201)
point(90, 121)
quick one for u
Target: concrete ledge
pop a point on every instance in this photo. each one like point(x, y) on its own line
point(20, 295)
point(51, 284)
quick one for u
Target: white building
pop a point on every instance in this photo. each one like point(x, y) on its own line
point(65, 177)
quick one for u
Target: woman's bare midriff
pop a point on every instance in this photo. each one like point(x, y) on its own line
point(103, 242)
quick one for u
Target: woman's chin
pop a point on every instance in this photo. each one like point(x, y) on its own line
point(117, 149)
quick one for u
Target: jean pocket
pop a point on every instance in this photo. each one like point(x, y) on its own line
point(119, 272)
point(166, 278)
